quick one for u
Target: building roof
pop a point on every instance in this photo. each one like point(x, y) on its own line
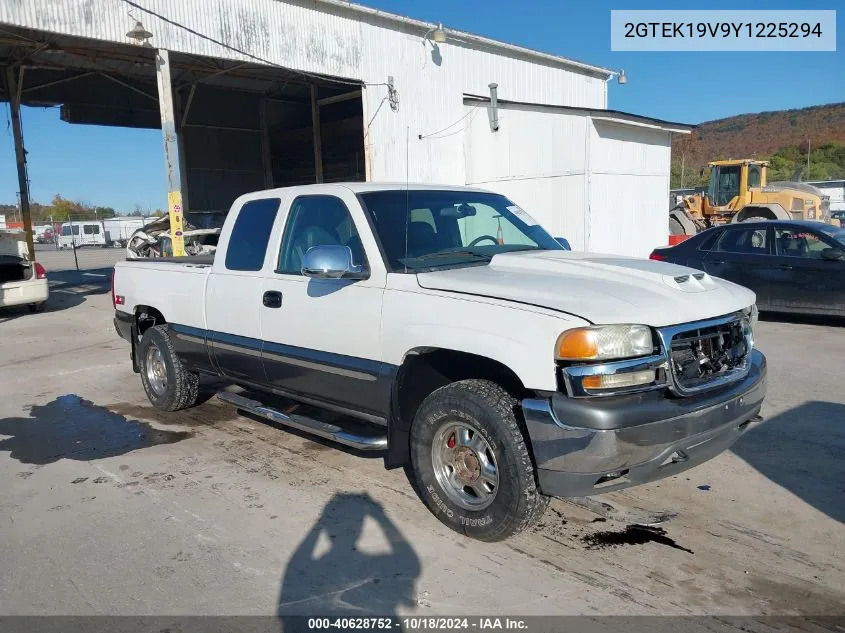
point(472, 38)
point(613, 116)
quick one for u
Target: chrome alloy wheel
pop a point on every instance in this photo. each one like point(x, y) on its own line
point(156, 370)
point(465, 466)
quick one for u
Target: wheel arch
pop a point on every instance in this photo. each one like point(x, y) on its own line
point(766, 211)
point(422, 371)
point(143, 318)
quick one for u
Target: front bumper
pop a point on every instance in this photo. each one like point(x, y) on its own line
point(589, 446)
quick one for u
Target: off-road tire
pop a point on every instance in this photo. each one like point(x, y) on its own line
point(182, 386)
point(488, 409)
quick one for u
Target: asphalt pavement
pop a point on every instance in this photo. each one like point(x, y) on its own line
point(110, 507)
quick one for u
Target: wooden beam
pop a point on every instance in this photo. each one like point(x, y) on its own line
point(315, 126)
point(266, 154)
point(346, 96)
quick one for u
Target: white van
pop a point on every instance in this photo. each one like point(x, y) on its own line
point(82, 233)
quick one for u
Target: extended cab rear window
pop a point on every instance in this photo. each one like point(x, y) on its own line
point(248, 241)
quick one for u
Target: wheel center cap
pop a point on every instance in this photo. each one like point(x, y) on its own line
point(466, 465)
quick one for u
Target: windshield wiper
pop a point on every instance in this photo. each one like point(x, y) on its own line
point(455, 253)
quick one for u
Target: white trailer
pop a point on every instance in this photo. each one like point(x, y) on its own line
point(119, 230)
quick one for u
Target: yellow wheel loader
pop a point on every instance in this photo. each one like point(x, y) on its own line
point(738, 192)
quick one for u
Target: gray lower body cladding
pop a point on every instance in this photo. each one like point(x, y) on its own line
point(591, 446)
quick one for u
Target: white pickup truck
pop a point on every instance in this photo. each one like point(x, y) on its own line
point(456, 335)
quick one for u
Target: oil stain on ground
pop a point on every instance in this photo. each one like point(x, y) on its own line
point(631, 535)
point(206, 414)
point(70, 427)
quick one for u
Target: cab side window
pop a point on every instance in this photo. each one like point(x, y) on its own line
point(317, 221)
point(251, 233)
point(798, 243)
point(744, 241)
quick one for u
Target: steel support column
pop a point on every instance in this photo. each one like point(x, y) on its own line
point(172, 151)
point(13, 92)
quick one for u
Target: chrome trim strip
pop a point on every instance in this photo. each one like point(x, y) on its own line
point(574, 375)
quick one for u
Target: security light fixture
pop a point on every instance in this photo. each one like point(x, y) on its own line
point(438, 35)
point(622, 78)
point(139, 33)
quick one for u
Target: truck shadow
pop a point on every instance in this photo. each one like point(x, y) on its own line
point(803, 319)
point(803, 450)
point(343, 569)
point(70, 427)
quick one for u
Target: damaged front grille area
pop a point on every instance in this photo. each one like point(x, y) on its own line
point(708, 354)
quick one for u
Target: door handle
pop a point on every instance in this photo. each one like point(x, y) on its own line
point(272, 299)
point(783, 267)
point(717, 262)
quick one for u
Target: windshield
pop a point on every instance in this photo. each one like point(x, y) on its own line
point(836, 232)
point(421, 230)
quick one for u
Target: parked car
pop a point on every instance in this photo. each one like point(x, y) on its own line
point(791, 266)
point(43, 234)
point(22, 282)
point(498, 367)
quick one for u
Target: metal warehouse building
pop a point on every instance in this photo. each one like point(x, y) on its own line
point(261, 93)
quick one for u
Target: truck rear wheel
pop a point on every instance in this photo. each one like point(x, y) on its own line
point(168, 384)
point(470, 461)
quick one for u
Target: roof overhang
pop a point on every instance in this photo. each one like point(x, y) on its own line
point(608, 116)
point(471, 38)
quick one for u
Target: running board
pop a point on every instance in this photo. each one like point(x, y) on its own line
point(308, 425)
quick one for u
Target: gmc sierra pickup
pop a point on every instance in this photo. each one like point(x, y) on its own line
point(458, 337)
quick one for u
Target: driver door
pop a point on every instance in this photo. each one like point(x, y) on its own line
point(805, 282)
point(322, 338)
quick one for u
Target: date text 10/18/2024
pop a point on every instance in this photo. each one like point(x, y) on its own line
point(419, 624)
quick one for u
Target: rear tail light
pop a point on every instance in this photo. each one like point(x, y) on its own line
point(116, 300)
point(657, 256)
point(40, 273)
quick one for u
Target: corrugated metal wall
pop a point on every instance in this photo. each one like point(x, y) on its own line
point(318, 38)
point(601, 185)
point(628, 181)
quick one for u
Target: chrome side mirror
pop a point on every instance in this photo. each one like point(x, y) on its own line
point(331, 262)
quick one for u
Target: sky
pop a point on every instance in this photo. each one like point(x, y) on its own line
point(124, 168)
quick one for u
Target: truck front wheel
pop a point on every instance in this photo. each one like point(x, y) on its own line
point(168, 384)
point(470, 461)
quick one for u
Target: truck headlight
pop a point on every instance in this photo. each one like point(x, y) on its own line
point(752, 313)
point(604, 342)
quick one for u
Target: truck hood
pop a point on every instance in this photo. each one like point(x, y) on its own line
point(13, 244)
point(598, 288)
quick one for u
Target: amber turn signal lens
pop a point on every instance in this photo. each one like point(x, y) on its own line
point(577, 344)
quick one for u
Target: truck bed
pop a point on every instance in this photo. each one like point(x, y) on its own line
point(198, 260)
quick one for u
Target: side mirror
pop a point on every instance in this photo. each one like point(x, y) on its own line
point(833, 254)
point(331, 262)
point(563, 242)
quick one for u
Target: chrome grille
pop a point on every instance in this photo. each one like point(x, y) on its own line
point(708, 354)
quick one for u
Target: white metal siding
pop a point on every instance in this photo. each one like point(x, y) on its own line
point(601, 185)
point(629, 178)
point(330, 40)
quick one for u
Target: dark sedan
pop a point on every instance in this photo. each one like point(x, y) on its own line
point(792, 266)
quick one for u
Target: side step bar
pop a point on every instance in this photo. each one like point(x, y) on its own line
point(308, 425)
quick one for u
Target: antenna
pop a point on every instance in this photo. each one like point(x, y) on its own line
point(407, 192)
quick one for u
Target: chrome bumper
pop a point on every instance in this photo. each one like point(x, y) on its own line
point(584, 447)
